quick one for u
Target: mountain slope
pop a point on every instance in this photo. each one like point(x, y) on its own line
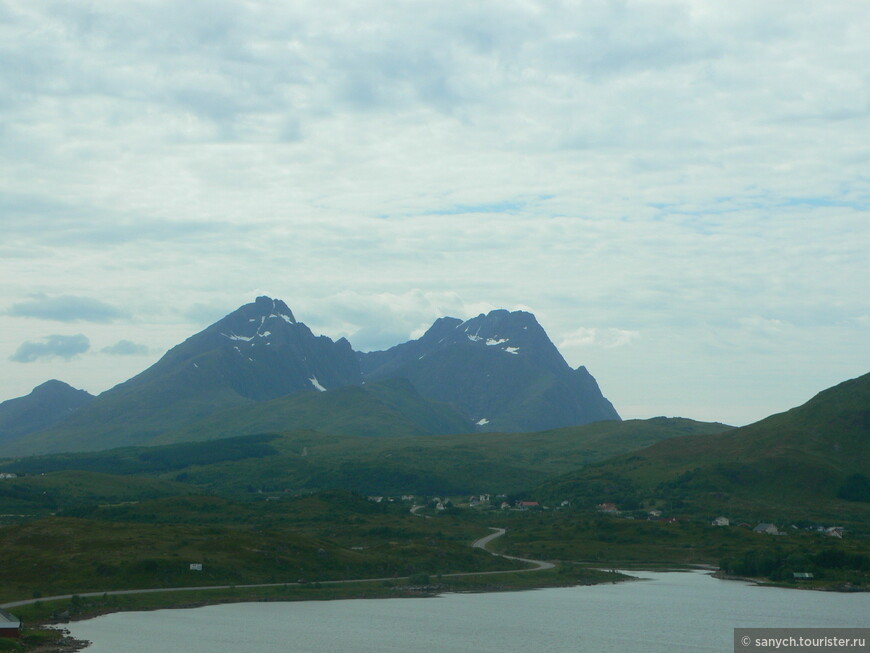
point(500, 369)
point(385, 408)
point(794, 461)
point(258, 352)
point(47, 404)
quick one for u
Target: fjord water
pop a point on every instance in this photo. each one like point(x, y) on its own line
point(665, 612)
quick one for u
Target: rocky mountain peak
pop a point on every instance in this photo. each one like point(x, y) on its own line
point(499, 368)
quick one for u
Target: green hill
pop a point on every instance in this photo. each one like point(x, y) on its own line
point(386, 408)
point(308, 460)
point(801, 462)
point(44, 493)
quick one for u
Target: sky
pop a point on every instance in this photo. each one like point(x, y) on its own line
point(679, 190)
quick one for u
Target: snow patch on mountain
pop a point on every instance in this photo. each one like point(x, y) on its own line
point(233, 336)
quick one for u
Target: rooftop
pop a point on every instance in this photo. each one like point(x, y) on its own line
point(7, 618)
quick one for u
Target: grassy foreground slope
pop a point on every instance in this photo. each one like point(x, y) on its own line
point(151, 544)
point(798, 463)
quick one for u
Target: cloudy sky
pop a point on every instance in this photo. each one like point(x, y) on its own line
point(678, 189)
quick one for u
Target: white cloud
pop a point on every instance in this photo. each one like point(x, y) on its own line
point(607, 338)
point(126, 348)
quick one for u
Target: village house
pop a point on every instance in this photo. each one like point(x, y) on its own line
point(768, 529)
point(10, 625)
point(609, 508)
point(527, 505)
point(721, 521)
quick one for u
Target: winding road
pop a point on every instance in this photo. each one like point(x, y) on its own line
point(481, 543)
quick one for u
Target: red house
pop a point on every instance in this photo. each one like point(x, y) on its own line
point(10, 625)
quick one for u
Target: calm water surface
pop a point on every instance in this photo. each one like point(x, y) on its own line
point(667, 612)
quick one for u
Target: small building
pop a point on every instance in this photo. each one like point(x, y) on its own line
point(196, 566)
point(10, 625)
point(835, 531)
point(803, 575)
point(768, 529)
point(721, 521)
point(528, 505)
point(609, 508)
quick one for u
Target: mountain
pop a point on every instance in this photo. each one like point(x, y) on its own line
point(500, 369)
point(259, 369)
point(812, 459)
point(47, 404)
point(256, 353)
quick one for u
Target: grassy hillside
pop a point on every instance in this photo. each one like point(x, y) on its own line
point(307, 460)
point(124, 418)
point(387, 408)
point(794, 463)
point(47, 493)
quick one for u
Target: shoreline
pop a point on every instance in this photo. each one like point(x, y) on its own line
point(354, 590)
point(66, 643)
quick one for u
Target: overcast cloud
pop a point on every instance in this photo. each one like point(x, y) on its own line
point(677, 189)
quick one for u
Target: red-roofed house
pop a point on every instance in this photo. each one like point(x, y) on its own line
point(10, 625)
